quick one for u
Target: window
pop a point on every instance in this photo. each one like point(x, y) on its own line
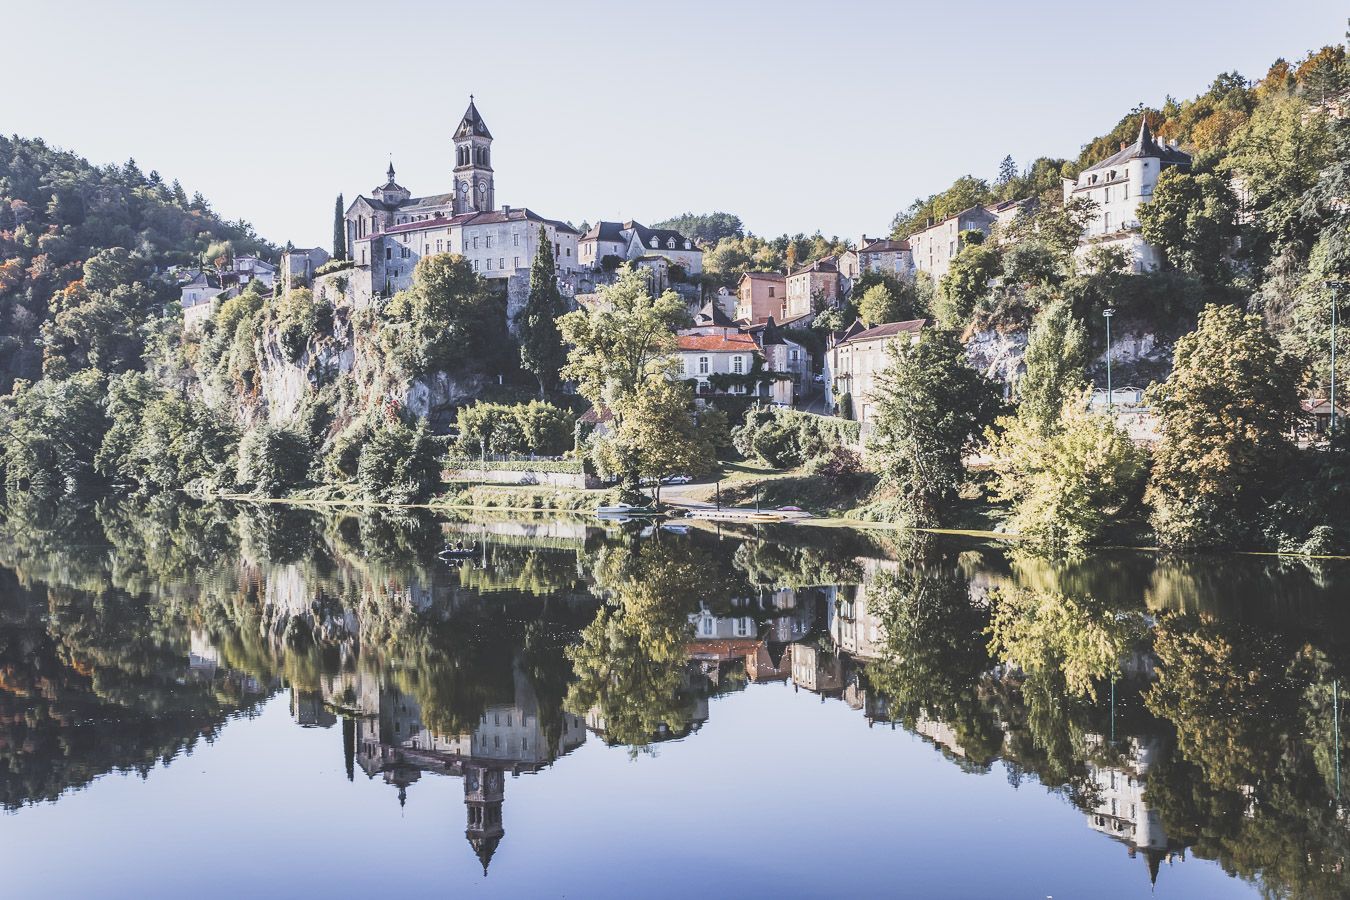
point(1125, 191)
point(703, 365)
point(515, 262)
point(1106, 222)
point(738, 365)
point(388, 252)
point(501, 262)
point(489, 264)
point(515, 240)
point(475, 265)
point(475, 242)
point(403, 253)
point(487, 242)
point(438, 246)
point(770, 290)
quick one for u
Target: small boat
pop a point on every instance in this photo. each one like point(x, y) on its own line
point(624, 509)
point(459, 552)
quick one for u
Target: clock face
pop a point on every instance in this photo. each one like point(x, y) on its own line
point(463, 188)
point(482, 185)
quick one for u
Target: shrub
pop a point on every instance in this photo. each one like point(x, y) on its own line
point(784, 438)
point(398, 464)
point(273, 460)
point(534, 427)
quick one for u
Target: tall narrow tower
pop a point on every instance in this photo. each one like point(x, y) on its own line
point(473, 164)
point(484, 791)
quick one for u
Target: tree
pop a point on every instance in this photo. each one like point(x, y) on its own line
point(1056, 363)
point(273, 460)
point(1007, 170)
point(1224, 413)
point(660, 436)
point(446, 320)
point(931, 408)
point(1065, 483)
point(1192, 218)
point(51, 431)
point(967, 282)
point(623, 341)
point(339, 229)
point(541, 348)
point(399, 464)
point(879, 305)
point(707, 228)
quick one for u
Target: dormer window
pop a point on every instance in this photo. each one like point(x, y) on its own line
point(655, 243)
point(686, 245)
point(670, 243)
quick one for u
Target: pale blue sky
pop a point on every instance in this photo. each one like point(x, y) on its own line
point(794, 116)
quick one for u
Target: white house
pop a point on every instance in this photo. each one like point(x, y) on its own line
point(857, 356)
point(627, 241)
point(1118, 186)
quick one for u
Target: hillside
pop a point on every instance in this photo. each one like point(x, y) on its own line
point(58, 212)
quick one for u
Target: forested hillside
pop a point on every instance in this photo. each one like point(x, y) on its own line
point(1261, 220)
point(66, 302)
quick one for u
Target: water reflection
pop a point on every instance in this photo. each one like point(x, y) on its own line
point(1186, 707)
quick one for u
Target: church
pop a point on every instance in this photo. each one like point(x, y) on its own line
point(390, 230)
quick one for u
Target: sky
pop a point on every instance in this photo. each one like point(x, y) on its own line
point(797, 117)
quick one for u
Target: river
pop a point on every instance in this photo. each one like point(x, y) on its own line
point(265, 701)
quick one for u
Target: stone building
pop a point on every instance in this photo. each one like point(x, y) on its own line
point(936, 245)
point(885, 256)
point(857, 356)
point(610, 244)
point(1118, 186)
point(298, 263)
point(389, 231)
point(760, 295)
point(811, 288)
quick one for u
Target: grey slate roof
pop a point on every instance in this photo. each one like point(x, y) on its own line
point(472, 123)
point(1144, 146)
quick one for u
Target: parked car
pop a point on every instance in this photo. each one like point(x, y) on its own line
point(677, 479)
point(790, 509)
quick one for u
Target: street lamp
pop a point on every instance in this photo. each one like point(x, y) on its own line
point(1107, 314)
point(1335, 316)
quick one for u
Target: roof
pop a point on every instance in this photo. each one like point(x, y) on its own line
point(711, 314)
point(885, 245)
point(824, 264)
point(766, 276)
point(515, 214)
point(616, 231)
point(597, 415)
point(472, 123)
point(890, 329)
point(736, 343)
point(965, 212)
point(1320, 406)
point(605, 231)
point(1144, 146)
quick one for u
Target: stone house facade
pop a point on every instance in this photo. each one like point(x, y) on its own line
point(630, 241)
point(886, 256)
point(857, 357)
point(1118, 186)
point(810, 288)
point(934, 247)
point(760, 296)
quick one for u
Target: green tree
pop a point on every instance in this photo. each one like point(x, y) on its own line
point(50, 432)
point(1192, 218)
point(399, 464)
point(1065, 484)
point(967, 282)
point(931, 409)
point(273, 460)
point(1056, 364)
point(880, 305)
point(339, 229)
point(541, 348)
point(1224, 413)
point(660, 436)
point(446, 320)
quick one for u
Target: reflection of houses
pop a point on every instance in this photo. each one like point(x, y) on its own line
point(1121, 811)
point(392, 740)
point(818, 671)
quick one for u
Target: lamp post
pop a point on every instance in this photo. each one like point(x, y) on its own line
point(1110, 397)
point(1335, 316)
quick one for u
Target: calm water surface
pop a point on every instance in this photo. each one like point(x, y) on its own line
point(223, 701)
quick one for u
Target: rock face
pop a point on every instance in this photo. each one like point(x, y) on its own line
point(1139, 355)
point(344, 365)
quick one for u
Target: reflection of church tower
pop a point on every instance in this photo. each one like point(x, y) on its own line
point(484, 790)
point(473, 164)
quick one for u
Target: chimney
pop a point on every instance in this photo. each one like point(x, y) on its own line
point(1123, 145)
point(506, 210)
point(929, 223)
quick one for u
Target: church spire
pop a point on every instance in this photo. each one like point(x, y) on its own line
point(472, 124)
point(390, 173)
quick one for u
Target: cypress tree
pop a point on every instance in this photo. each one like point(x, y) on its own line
point(541, 348)
point(339, 230)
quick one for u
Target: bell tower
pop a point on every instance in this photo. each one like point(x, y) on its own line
point(484, 791)
point(473, 164)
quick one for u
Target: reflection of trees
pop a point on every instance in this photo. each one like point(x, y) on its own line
point(1252, 783)
point(778, 565)
point(631, 667)
point(935, 659)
